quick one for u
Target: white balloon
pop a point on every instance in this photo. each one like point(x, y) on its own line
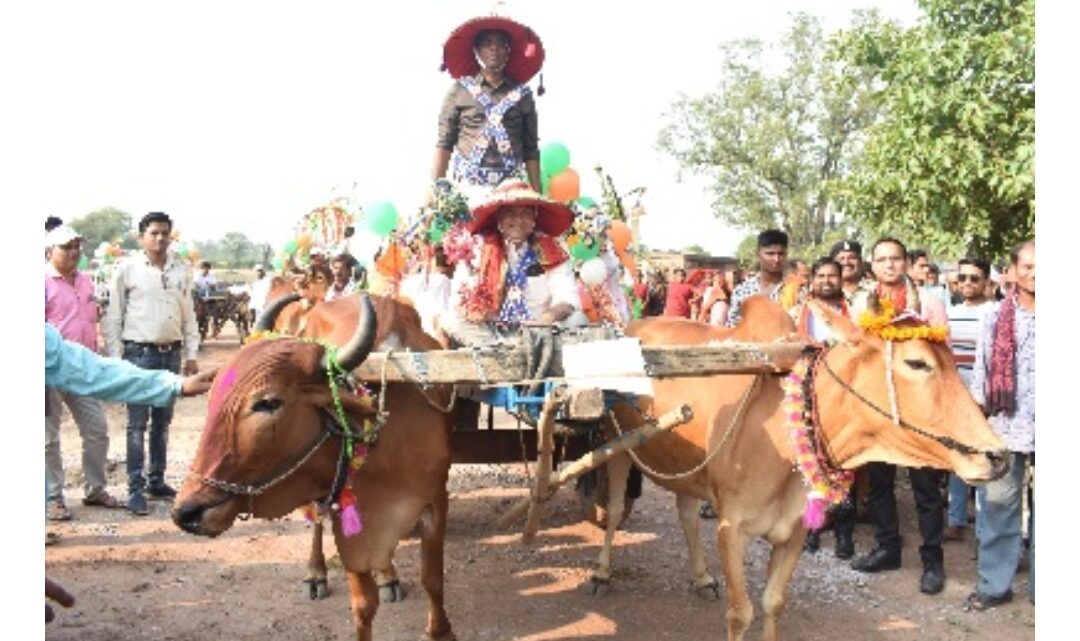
point(593, 271)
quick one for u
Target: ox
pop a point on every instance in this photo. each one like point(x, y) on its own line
point(750, 478)
point(271, 445)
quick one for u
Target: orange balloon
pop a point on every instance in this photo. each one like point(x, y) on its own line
point(628, 262)
point(392, 262)
point(620, 235)
point(565, 186)
point(193, 255)
point(303, 241)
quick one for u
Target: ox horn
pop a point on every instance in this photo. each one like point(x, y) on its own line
point(360, 345)
point(266, 319)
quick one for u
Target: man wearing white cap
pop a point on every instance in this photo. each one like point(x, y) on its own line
point(72, 308)
point(259, 290)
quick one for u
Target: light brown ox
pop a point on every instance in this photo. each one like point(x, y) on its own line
point(751, 481)
point(261, 428)
point(291, 302)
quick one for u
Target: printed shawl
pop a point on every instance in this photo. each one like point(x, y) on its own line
point(1001, 366)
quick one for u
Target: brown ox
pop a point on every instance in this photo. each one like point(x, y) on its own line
point(751, 481)
point(272, 426)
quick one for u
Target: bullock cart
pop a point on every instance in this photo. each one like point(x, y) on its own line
point(540, 378)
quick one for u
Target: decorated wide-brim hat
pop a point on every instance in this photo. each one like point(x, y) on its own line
point(526, 50)
point(552, 218)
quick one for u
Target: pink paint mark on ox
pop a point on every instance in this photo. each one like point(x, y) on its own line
point(222, 386)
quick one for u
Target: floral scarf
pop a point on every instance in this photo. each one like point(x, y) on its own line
point(1001, 367)
point(485, 301)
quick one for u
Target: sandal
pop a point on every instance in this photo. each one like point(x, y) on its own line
point(51, 538)
point(101, 498)
point(56, 510)
point(981, 602)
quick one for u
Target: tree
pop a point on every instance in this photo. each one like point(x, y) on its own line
point(775, 141)
point(694, 249)
point(236, 249)
point(107, 224)
point(950, 164)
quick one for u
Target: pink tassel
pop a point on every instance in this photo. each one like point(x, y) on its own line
point(813, 517)
point(350, 521)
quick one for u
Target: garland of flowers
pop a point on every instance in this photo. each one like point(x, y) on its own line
point(827, 487)
point(356, 448)
point(884, 326)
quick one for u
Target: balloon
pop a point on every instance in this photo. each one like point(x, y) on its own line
point(303, 240)
point(438, 229)
point(583, 251)
point(382, 218)
point(554, 158)
point(593, 271)
point(628, 262)
point(194, 255)
point(277, 263)
point(620, 235)
point(84, 262)
point(586, 202)
point(565, 186)
point(392, 262)
point(182, 251)
point(289, 247)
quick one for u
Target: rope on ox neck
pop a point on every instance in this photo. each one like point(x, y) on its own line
point(736, 418)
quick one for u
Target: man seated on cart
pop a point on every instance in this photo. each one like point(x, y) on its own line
point(518, 272)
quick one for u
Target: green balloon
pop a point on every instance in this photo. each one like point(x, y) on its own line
point(183, 252)
point(586, 202)
point(277, 263)
point(289, 247)
point(582, 251)
point(438, 229)
point(382, 218)
point(84, 262)
point(554, 157)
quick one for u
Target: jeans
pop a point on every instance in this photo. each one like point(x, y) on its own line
point(929, 504)
point(159, 418)
point(958, 500)
point(1001, 525)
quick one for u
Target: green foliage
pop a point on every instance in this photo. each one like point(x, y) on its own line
point(694, 249)
point(234, 250)
point(107, 224)
point(950, 164)
point(774, 141)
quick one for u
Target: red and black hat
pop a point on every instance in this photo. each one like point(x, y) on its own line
point(526, 50)
point(552, 218)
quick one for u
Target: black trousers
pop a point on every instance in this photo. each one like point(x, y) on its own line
point(928, 487)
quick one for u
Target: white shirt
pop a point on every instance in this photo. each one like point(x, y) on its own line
point(150, 304)
point(259, 290)
point(429, 294)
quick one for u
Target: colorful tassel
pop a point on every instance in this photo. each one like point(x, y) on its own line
point(814, 514)
point(350, 521)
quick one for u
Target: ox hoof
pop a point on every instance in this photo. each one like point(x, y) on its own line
point(316, 589)
point(391, 592)
point(598, 587)
point(709, 591)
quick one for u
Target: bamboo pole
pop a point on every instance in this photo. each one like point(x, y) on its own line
point(545, 439)
point(599, 456)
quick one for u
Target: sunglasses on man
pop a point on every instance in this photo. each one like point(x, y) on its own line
point(962, 278)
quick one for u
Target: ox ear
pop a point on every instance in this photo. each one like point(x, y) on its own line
point(841, 327)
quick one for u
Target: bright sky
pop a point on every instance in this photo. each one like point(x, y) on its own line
point(242, 116)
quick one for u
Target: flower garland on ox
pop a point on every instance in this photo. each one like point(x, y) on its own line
point(828, 487)
point(356, 447)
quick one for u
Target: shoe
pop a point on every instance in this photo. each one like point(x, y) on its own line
point(101, 498)
point(933, 578)
point(137, 505)
point(57, 510)
point(813, 542)
point(845, 545)
point(707, 511)
point(160, 491)
point(954, 533)
point(980, 602)
point(877, 560)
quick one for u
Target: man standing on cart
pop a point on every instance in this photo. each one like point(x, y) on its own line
point(488, 122)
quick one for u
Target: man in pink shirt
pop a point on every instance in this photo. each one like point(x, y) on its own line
point(71, 307)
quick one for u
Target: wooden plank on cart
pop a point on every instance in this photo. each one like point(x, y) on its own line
point(506, 363)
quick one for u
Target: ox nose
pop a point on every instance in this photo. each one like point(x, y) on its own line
point(188, 517)
point(1000, 461)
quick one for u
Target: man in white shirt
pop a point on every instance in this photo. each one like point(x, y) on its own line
point(149, 322)
point(965, 320)
point(259, 290)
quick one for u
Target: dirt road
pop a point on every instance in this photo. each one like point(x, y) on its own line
point(142, 578)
